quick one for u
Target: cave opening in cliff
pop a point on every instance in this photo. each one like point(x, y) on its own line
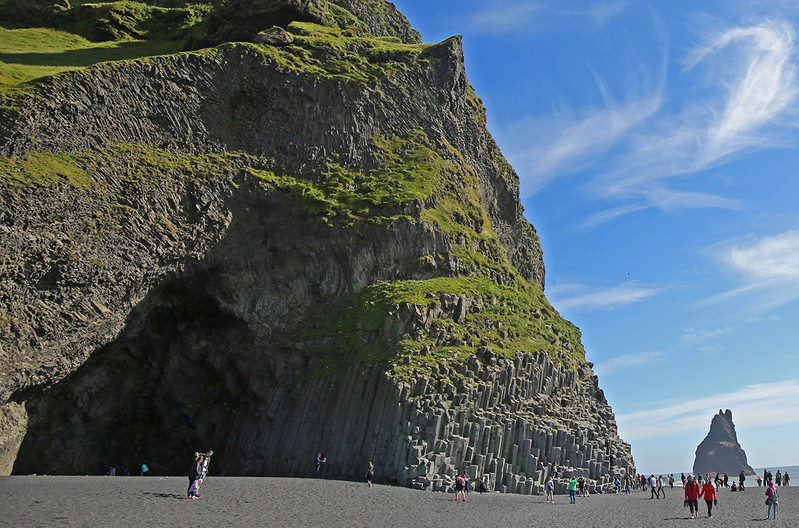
point(166, 387)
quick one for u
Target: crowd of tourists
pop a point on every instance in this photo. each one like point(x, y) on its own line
point(704, 487)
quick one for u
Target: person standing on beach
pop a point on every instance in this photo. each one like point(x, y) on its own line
point(482, 484)
point(671, 481)
point(785, 479)
point(203, 470)
point(370, 474)
point(741, 479)
point(572, 490)
point(661, 491)
point(692, 496)
point(771, 498)
point(194, 475)
point(320, 459)
point(460, 482)
point(709, 492)
point(549, 487)
point(778, 478)
point(653, 487)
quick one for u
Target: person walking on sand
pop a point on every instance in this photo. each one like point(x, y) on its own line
point(144, 469)
point(772, 498)
point(549, 487)
point(692, 495)
point(661, 490)
point(709, 492)
point(460, 483)
point(653, 487)
point(203, 470)
point(572, 490)
point(370, 474)
point(194, 475)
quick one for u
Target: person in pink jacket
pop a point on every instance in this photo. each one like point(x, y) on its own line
point(709, 492)
point(772, 498)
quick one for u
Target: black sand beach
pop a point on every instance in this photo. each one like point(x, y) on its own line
point(289, 502)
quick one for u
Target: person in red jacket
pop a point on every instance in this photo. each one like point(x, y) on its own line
point(692, 496)
point(709, 491)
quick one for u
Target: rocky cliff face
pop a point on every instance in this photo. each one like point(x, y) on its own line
point(720, 451)
point(272, 250)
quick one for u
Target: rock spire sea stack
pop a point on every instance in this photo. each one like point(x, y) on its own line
point(296, 236)
point(720, 451)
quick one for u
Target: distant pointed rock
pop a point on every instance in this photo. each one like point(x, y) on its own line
point(720, 451)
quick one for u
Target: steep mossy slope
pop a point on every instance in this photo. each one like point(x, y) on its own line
point(315, 224)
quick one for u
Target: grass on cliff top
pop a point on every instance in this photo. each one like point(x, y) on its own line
point(342, 55)
point(28, 54)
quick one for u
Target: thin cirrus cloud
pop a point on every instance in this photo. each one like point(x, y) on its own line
point(627, 362)
point(767, 270)
point(741, 88)
point(581, 298)
point(527, 17)
point(577, 142)
point(752, 75)
point(754, 405)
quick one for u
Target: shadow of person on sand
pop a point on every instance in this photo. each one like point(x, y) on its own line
point(164, 495)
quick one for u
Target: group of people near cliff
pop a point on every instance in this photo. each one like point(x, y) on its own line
point(708, 491)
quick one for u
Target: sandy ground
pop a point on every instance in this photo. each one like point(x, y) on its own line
point(288, 502)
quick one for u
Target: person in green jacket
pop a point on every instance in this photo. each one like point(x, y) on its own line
point(572, 490)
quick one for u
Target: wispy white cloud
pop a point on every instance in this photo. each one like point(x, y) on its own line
point(742, 89)
point(505, 18)
point(576, 141)
point(598, 13)
point(767, 270)
point(529, 17)
point(579, 297)
point(751, 75)
point(697, 336)
point(753, 405)
point(630, 361)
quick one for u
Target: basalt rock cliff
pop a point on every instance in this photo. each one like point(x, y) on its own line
point(720, 451)
point(304, 243)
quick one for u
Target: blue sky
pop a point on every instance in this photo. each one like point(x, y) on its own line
point(656, 144)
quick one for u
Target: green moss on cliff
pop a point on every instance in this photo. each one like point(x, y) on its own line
point(504, 320)
point(332, 53)
point(408, 170)
point(42, 169)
